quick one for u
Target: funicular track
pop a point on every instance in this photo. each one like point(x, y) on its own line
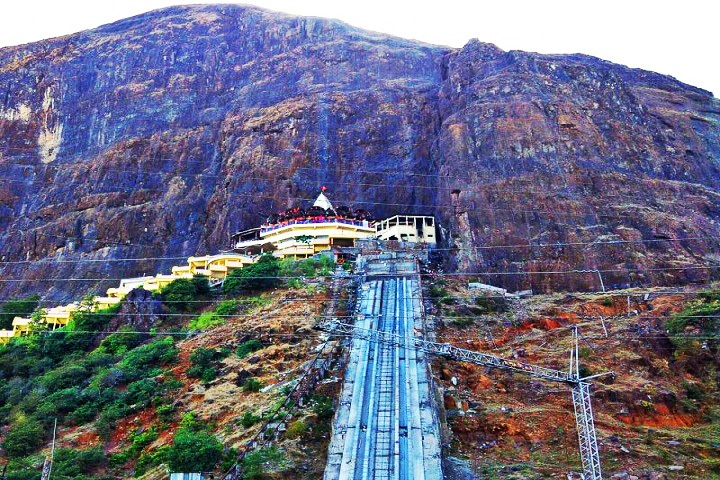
point(386, 427)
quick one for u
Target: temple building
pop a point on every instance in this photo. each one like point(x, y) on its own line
point(301, 233)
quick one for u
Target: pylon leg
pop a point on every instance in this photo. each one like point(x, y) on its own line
point(587, 438)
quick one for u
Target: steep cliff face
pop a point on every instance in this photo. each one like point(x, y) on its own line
point(160, 135)
point(558, 150)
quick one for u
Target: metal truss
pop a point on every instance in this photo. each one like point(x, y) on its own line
point(587, 437)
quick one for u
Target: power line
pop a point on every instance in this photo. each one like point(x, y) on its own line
point(450, 274)
point(609, 293)
point(352, 171)
point(485, 247)
point(367, 202)
point(490, 188)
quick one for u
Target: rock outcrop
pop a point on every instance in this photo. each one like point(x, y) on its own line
point(160, 135)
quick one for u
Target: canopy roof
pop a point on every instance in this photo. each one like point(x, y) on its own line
point(323, 202)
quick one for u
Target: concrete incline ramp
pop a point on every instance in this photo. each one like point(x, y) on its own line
point(386, 426)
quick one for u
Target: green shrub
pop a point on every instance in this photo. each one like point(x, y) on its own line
point(248, 347)
point(322, 407)
point(21, 307)
point(182, 293)
point(215, 317)
point(205, 320)
point(83, 414)
point(203, 364)
point(488, 305)
point(149, 460)
point(191, 422)
point(227, 307)
point(86, 320)
point(193, 451)
point(143, 361)
point(260, 275)
point(121, 341)
point(60, 403)
point(140, 393)
point(463, 322)
point(23, 469)
point(607, 302)
point(439, 296)
point(108, 418)
point(252, 384)
point(165, 412)
point(296, 430)
point(309, 268)
point(700, 314)
point(140, 440)
point(64, 377)
point(249, 419)
point(24, 437)
point(693, 391)
point(72, 463)
point(254, 463)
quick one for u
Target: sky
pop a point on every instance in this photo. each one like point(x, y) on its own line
point(677, 38)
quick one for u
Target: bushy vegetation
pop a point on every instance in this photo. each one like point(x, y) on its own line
point(182, 294)
point(21, 307)
point(249, 419)
point(145, 360)
point(204, 363)
point(68, 464)
point(698, 315)
point(193, 448)
point(322, 407)
point(248, 347)
point(488, 305)
point(77, 464)
point(215, 317)
point(439, 296)
point(256, 464)
point(321, 266)
point(252, 384)
point(296, 430)
point(24, 437)
point(85, 320)
point(260, 275)
point(71, 375)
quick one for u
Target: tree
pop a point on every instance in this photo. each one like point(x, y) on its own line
point(22, 307)
point(181, 293)
point(24, 437)
point(260, 275)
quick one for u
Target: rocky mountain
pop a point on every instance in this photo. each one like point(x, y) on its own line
point(160, 135)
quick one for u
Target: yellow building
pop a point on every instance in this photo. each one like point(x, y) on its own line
point(216, 267)
point(21, 326)
point(60, 316)
point(5, 336)
point(106, 302)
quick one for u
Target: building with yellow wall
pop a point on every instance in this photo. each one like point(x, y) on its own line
point(302, 234)
point(296, 234)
